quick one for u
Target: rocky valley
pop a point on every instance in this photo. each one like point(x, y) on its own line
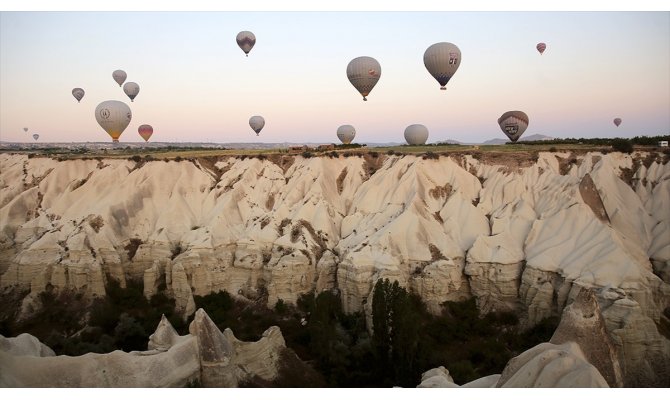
point(520, 233)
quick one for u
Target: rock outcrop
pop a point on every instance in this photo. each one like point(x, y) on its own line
point(205, 356)
point(519, 233)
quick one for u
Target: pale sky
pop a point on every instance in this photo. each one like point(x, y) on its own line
point(197, 85)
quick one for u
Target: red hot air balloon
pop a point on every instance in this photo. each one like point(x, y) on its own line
point(541, 47)
point(145, 131)
point(617, 121)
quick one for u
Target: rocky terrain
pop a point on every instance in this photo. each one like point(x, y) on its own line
point(519, 233)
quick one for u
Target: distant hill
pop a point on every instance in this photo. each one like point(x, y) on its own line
point(532, 138)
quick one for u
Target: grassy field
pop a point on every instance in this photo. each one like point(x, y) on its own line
point(443, 149)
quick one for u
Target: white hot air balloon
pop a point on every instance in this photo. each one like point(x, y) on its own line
point(257, 123)
point(346, 133)
point(131, 89)
point(364, 73)
point(442, 60)
point(78, 94)
point(114, 117)
point(119, 76)
point(416, 134)
point(246, 40)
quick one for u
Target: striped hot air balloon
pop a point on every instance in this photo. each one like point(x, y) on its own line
point(513, 124)
point(541, 47)
point(145, 131)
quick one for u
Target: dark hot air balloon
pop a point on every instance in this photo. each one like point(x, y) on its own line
point(78, 94)
point(513, 124)
point(617, 121)
point(541, 47)
point(246, 40)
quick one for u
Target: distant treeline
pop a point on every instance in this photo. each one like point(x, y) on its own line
point(637, 140)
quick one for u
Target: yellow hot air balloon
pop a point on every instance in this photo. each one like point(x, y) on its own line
point(114, 117)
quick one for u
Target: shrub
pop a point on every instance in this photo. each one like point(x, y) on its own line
point(622, 145)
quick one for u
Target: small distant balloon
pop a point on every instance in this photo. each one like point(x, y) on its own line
point(257, 123)
point(442, 61)
point(119, 76)
point(541, 47)
point(113, 116)
point(416, 134)
point(364, 73)
point(513, 124)
point(131, 89)
point(145, 131)
point(617, 121)
point(246, 40)
point(25, 129)
point(346, 133)
point(36, 136)
point(78, 94)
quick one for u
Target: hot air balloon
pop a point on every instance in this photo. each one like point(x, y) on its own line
point(617, 121)
point(131, 89)
point(36, 136)
point(541, 47)
point(246, 40)
point(364, 73)
point(513, 124)
point(346, 133)
point(416, 134)
point(114, 117)
point(119, 76)
point(25, 129)
point(442, 60)
point(257, 123)
point(78, 93)
point(145, 131)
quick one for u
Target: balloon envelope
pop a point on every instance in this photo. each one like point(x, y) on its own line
point(416, 134)
point(131, 89)
point(257, 123)
point(145, 131)
point(78, 94)
point(346, 133)
point(513, 124)
point(119, 76)
point(442, 61)
point(36, 136)
point(617, 121)
point(541, 47)
point(364, 73)
point(114, 117)
point(25, 129)
point(246, 40)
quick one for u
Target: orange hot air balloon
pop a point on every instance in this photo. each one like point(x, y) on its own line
point(145, 131)
point(617, 121)
point(541, 47)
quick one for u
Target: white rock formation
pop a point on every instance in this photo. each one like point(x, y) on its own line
point(206, 356)
point(516, 233)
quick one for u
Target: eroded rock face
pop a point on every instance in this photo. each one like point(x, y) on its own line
point(582, 323)
point(206, 356)
point(516, 234)
point(551, 366)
